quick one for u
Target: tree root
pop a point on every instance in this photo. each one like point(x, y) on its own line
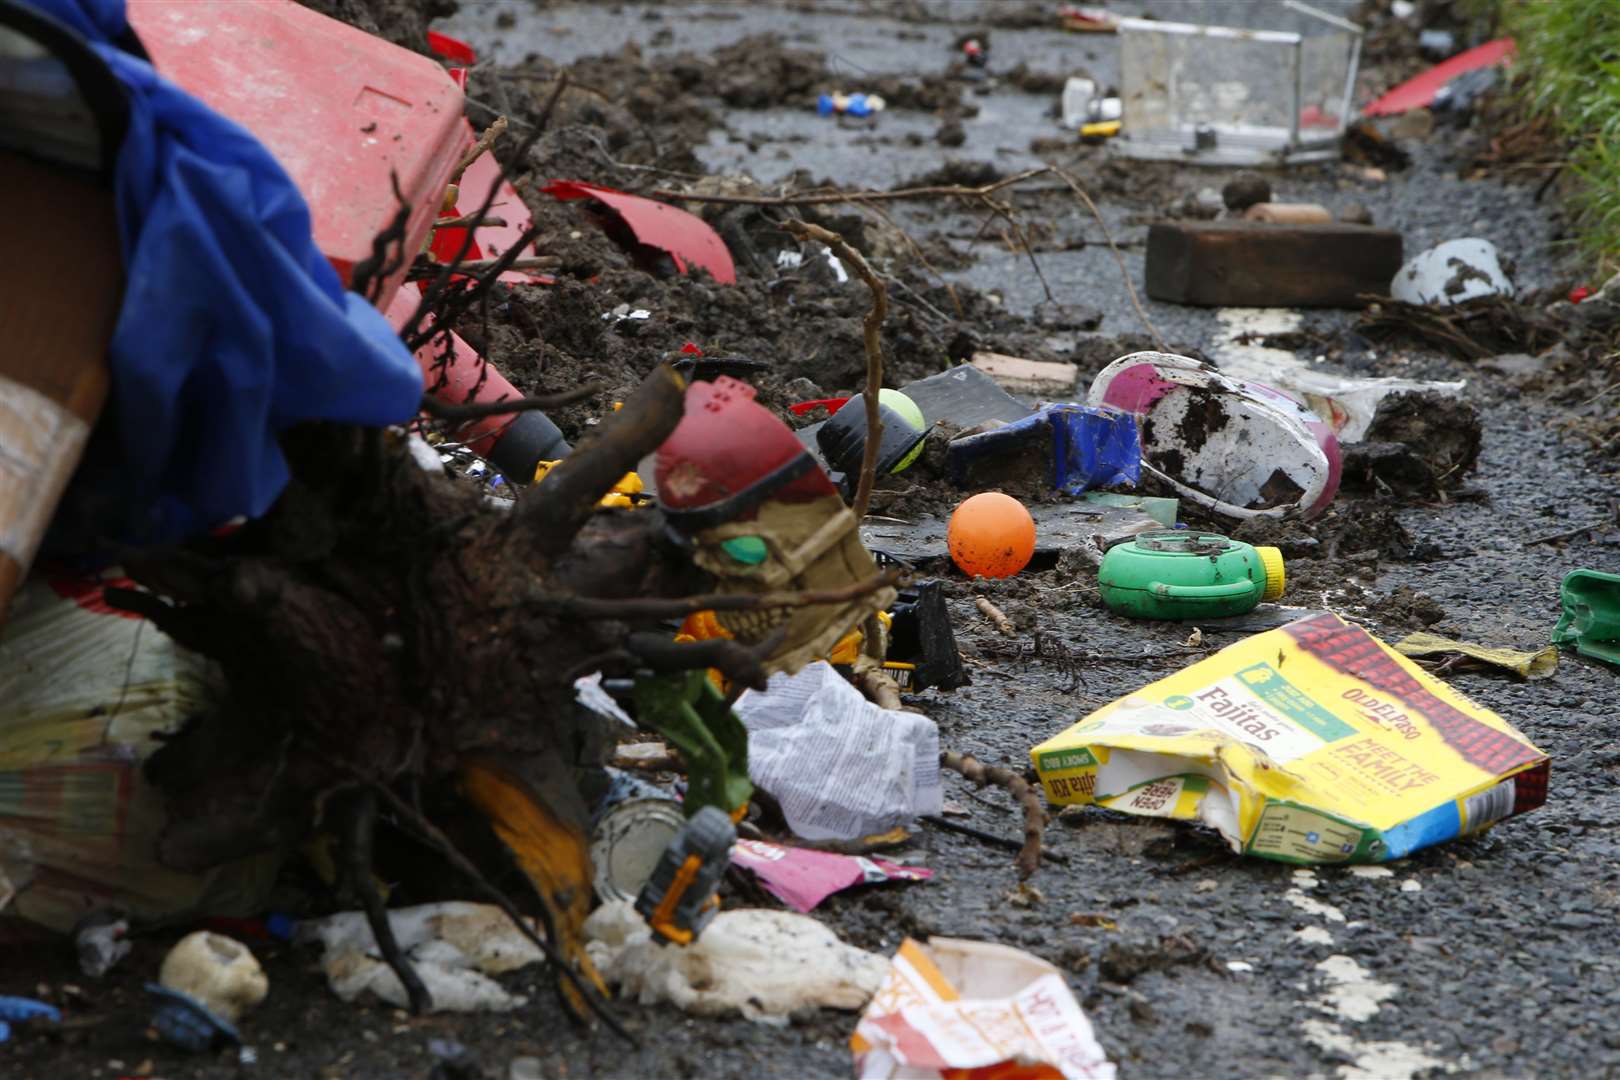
point(357, 811)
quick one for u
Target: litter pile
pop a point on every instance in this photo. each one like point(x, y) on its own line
point(471, 543)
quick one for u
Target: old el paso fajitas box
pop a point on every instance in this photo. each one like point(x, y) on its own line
point(1311, 743)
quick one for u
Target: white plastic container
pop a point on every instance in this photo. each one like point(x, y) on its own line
point(1450, 273)
point(1241, 449)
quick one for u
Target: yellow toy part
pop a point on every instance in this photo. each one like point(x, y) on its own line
point(551, 851)
point(624, 493)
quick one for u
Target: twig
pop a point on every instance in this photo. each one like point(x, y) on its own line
point(467, 221)
point(972, 769)
point(823, 198)
point(544, 119)
point(494, 113)
point(369, 273)
point(1007, 213)
point(879, 689)
point(873, 326)
point(1567, 534)
point(479, 266)
point(996, 616)
point(916, 249)
point(1119, 258)
point(480, 148)
point(478, 410)
point(416, 332)
point(991, 838)
point(586, 607)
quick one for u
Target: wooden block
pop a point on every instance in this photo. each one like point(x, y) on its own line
point(1022, 376)
point(1250, 264)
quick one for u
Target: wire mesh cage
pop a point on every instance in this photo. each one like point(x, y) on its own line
point(1223, 96)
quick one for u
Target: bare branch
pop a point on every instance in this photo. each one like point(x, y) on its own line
point(1124, 273)
point(476, 267)
point(480, 148)
point(553, 512)
point(823, 198)
point(478, 410)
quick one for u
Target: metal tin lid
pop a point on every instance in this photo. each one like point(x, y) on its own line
point(628, 842)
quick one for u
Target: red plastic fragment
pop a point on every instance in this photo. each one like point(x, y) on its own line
point(1579, 293)
point(1419, 91)
point(691, 349)
point(686, 237)
point(452, 49)
point(831, 404)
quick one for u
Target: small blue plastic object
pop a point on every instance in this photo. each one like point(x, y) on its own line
point(17, 1009)
point(186, 1022)
point(1090, 447)
point(280, 926)
point(1093, 448)
point(858, 106)
point(825, 106)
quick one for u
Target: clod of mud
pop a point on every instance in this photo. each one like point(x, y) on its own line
point(401, 22)
point(1123, 961)
point(1387, 467)
point(1440, 434)
point(1408, 607)
point(1244, 190)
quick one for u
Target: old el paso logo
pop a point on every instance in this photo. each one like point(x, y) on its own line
point(1243, 715)
point(1383, 713)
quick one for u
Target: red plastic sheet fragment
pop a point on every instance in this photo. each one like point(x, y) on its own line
point(687, 238)
point(1418, 92)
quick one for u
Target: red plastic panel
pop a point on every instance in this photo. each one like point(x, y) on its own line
point(338, 108)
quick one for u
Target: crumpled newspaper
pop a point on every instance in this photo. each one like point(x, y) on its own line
point(841, 767)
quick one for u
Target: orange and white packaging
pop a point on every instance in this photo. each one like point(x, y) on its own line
point(970, 1010)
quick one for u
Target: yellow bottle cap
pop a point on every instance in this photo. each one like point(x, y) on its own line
point(1271, 561)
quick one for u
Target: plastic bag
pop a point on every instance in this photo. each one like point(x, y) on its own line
point(85, 692)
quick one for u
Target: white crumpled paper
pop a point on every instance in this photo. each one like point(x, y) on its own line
point(454, 947)
point(841, 767)
point(766, 965)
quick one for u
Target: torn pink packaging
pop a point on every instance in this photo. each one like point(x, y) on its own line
point(801, 878)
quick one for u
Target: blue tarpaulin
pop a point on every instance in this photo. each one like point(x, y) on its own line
point(234, 326)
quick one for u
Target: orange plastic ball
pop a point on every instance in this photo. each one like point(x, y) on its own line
point(991, 535)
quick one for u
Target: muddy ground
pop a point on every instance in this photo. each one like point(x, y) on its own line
point(1494, 956)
